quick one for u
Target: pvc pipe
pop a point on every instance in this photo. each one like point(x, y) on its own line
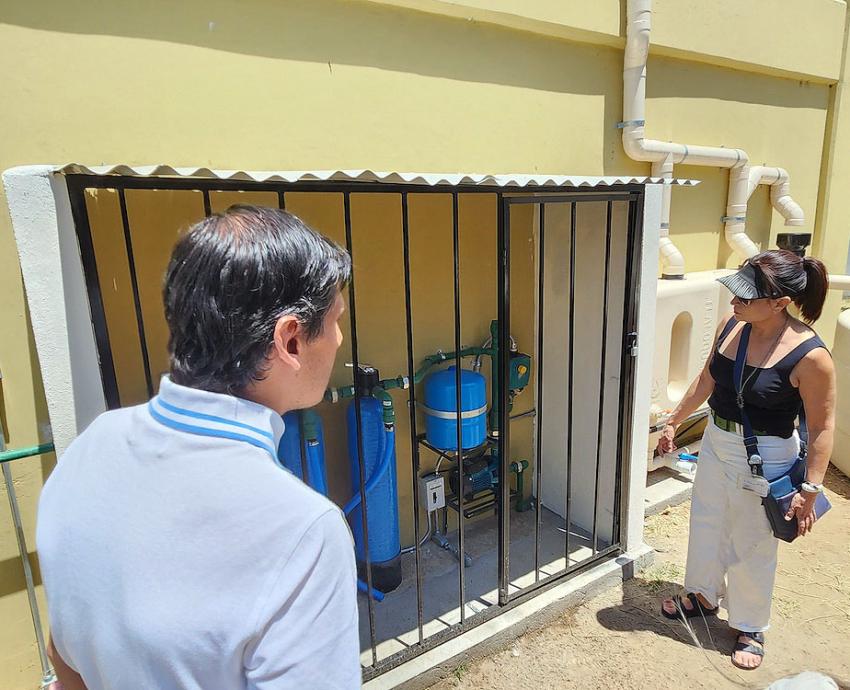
point(780, 198)
point(839, 282)
point(736, 214)
point(637, 146)
point(672, 261)
point(742, 181)
point(19, 453)
point(47, 674)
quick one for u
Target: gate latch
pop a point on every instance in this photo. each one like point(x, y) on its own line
point(631, 343)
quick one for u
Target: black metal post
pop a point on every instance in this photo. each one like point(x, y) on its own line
point(134, 284)
point(80, 214)
point(302, 447)
point(602, 368)
point(459, 406)
point(571, 371)
point(501, 366)
point(538, 508)
point(352, 310)
point(414, 443)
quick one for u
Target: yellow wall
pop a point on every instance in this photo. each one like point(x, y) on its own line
point(155, 216)
point(311, 84)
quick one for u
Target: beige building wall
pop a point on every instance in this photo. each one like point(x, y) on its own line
point(480, 86)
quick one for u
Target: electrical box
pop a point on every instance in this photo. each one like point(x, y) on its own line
point(432, 492)
point(520, 370)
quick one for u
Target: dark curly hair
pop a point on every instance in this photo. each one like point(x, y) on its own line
point(230, 278)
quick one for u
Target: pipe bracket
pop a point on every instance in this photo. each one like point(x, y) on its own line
point(631, 123)
point(733, 219)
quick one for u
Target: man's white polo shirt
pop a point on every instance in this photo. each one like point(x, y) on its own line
point(176, 552)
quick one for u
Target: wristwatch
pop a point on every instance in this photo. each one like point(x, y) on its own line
point(809, 488)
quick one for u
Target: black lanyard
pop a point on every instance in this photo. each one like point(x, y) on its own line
point(750, 441)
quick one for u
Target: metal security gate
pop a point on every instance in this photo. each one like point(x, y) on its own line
point(563, 269)
point(597, 255)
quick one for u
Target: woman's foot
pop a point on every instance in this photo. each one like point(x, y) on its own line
point(749, 650)
point(690, 605)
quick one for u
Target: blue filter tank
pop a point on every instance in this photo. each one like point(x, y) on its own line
point(441, 407)
point(381, 500)
point(289, 450)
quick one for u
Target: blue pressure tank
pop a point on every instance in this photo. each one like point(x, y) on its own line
point(289, 451)
point(381, 501)
point(441, 409)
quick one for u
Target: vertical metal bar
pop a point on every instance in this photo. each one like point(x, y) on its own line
point(352, 309)
point(281, 201)
point(46, 667)
point(207, 205)
point(302, 448)
point(602, 366)
point(538, 512)
point(501, 379)
point(414, 441)
point(80, 214)
point(571, 370)
point(459, 407)
point(134, 283)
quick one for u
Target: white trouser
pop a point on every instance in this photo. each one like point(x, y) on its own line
point(731, 550)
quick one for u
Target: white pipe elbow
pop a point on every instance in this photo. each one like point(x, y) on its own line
point(780, 198)
point(672, 260)
point(741, 244)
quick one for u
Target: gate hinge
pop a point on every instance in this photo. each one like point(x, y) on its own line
point(632, 343)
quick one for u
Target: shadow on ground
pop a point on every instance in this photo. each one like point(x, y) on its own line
point(640, 610)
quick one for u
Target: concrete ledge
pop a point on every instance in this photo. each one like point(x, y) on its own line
point(666, 488)
point(497, 633)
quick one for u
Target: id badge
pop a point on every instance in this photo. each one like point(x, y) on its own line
point(758, 485)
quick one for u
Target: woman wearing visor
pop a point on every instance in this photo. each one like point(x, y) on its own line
point(732, 551)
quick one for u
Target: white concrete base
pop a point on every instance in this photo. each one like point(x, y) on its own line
point(495, 634)
point(666, 488)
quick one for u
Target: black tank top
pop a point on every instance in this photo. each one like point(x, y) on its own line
point(773, 403)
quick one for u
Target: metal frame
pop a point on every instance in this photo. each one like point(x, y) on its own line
point(506, 198)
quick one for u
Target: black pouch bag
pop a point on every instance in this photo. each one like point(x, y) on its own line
point(782, 489)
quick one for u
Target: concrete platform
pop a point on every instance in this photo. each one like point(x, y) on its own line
point(493, 635)
point(396, 617)
point(665, 488)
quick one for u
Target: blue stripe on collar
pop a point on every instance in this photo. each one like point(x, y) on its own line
point(212, 418)
point(219, 433)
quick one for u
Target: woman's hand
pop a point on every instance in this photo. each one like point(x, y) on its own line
point(803, 507)
point(665, 442)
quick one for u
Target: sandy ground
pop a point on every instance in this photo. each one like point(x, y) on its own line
point(619, 639)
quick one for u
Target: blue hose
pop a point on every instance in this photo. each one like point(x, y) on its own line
point(363, 587)
point(389, 446)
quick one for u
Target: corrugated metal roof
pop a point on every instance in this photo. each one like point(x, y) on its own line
point(418, 178)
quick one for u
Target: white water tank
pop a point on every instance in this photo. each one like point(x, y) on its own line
point(686, 318)
point(841, 357)
point(687, 314)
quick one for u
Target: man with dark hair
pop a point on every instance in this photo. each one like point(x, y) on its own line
point(176, 551)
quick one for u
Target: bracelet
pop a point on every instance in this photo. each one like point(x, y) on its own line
point(809, 488)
